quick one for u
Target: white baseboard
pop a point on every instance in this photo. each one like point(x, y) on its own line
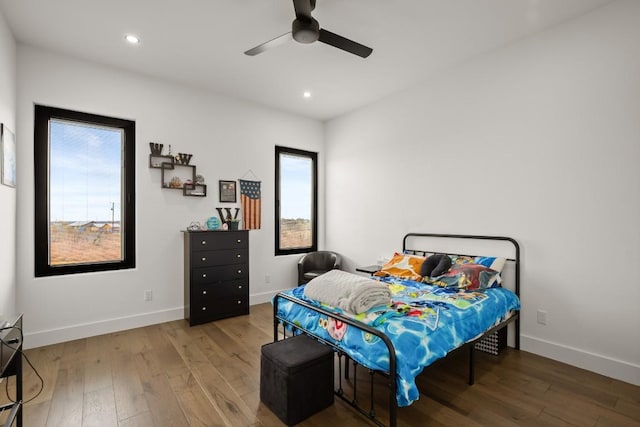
point(613, 368)
point(84, 330)
point(264, 296)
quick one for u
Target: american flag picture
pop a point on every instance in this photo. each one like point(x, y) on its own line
point(251, 203)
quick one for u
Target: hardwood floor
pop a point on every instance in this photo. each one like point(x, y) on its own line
point(209, 375)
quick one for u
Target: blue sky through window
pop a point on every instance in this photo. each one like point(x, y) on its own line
point(296, 186)
point(85, 167)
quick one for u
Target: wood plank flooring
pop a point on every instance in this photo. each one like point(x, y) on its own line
point(209, 375)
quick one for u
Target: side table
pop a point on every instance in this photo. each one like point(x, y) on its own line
point(369, 269)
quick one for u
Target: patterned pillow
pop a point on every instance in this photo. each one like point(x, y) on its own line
point(468, 276)
point(494, 263)
point(403, 266)
point(462, 259)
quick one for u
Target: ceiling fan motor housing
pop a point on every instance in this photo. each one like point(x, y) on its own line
point(304, 31)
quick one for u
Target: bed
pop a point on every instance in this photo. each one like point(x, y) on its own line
point(423, 323)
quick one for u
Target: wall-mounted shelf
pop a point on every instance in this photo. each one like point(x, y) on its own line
point(194, 190)
point(156, 160)
point(176, 173)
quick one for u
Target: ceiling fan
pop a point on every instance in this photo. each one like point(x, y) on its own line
point(305, 29)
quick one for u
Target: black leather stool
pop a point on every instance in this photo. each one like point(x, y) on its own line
point(296, 378)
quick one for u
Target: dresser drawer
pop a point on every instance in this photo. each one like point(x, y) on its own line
point(221, 257)
point(200, 317)
point(211, 307)
point(212, 240)
point(237, 289)
point(207, 275)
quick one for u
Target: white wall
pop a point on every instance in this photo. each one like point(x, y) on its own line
point(539, 141)
point(7, 194)
point(227, 138)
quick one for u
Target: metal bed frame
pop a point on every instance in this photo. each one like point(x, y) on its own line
point(391, 374)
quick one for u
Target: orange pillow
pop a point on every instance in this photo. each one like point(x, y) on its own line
point(403, 266)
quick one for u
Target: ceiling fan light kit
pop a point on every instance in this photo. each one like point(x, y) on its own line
point(305, 29)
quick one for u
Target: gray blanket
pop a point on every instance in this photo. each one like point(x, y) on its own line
point(348, 291)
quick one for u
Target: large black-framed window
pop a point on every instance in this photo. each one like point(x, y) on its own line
point(296, 201)
point(84, 192)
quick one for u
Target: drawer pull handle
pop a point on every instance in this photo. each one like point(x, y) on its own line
point(238, 256)
point(204, 292)
point(204, 258)
point(239, 286)
point(239, 271)
point(204, 308)
point(239, 241)
point(204, 242)
point(204, 275)
point(239, 302)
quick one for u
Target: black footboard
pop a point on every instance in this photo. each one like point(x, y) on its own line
point(391, 375)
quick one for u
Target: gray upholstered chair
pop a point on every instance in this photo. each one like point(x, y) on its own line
point(314, 264)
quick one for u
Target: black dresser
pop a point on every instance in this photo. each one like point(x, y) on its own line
point(216, 275)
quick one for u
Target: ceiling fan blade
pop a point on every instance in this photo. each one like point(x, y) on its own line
point(345, 44)
point(270, 44)
point(303, 8)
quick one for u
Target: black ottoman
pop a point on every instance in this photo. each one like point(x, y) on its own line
point(296, 378)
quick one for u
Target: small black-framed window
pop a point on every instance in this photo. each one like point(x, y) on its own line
point(296, 201)
point(84, 192)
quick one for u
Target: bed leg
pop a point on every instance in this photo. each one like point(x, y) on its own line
point(355, 384)
point(372, 412)
point(275, 320)
point(346, 367)
point(393, 403)
point(340, 390)
point(472, 348)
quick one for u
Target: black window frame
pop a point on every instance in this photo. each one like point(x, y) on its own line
point(314, 209)
point(42, 117)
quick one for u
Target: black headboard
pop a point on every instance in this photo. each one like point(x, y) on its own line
point(515, 258)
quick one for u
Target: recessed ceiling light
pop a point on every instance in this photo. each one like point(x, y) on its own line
point(133, 39)
point(306, 94)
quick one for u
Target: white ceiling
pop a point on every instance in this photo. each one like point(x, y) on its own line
point(200, 43)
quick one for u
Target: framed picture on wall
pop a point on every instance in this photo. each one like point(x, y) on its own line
point(227, 191)
point(8, 140)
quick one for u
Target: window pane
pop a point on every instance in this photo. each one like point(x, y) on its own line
point(85, 193)
point(84, 173)
point(296, 202)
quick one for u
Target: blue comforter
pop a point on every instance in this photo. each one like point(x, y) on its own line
point(424, 323)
